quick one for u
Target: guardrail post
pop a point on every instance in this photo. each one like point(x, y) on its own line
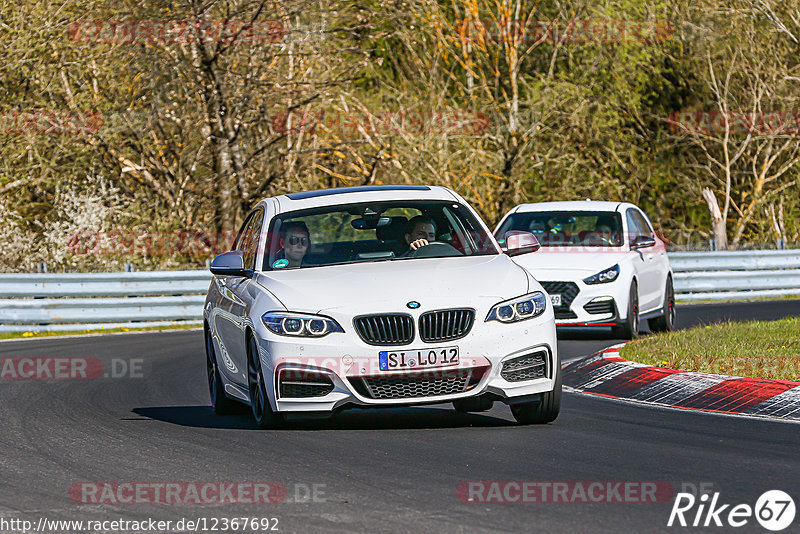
point(128, 267)
point(41, 267)
point(712, 244)
point(781, 244)
point(208, 264)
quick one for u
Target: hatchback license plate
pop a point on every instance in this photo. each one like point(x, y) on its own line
point(417, 359)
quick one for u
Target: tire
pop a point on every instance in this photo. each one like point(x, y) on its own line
point(630, 328)
point(666, 321)
point(220, 402)
point(539, 413)
point(259, 401)
point(475, 404)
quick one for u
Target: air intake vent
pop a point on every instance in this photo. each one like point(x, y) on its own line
point(390, 329)
point(302, 383)
point(421, 385)
point(601, 306)
point(525, 367)
point(445, 325)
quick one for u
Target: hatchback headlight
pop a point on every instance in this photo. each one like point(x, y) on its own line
point(603, 277)
point(519, 309)
point(300, 324)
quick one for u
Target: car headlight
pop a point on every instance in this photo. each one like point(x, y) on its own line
point(603, 277)
point(519, 309)
point(300, 324)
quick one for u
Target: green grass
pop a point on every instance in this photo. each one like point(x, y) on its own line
point(758, 349)
point(720, 301)
point(37, 334)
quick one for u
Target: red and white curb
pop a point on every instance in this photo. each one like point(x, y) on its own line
point(608, 375)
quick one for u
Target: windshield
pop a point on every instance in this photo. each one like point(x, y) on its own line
point(568, 228)
point(374, 231)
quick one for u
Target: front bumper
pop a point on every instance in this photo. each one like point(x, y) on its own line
point(351, 366)
point(588, 305)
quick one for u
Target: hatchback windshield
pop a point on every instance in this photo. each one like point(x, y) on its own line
point(375, 231)
point(568, 228)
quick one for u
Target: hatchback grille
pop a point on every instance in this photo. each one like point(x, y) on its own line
point(525, 367)
point(445, 325)
point(568, 292)
point(411, 386)
point(603, 306)
point(387, 329)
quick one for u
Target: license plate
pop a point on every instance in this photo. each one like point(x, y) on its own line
point(555, 300)
point(417, 358)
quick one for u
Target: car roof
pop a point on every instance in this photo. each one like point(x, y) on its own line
point(352, 195)
point(573, 205)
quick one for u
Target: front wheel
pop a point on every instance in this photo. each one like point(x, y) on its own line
point(262, 411)
point(544, 411)
point(665, 322)
point(629, 329)
point(220, 402)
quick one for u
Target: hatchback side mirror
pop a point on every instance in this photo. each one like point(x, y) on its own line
point(642, 241)
point(230, 264)
point(518, 242)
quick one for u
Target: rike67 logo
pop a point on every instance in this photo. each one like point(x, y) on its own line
point(774, 510)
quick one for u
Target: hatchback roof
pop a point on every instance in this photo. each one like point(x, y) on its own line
point(573, 205)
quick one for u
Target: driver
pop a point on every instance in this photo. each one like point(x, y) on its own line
point(604, 230)
point(294, 242)
point(421, 232)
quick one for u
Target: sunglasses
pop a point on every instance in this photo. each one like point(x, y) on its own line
point(294, 240)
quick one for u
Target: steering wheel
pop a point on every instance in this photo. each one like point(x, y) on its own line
point(436, 249)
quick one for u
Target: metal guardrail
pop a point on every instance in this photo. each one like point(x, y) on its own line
point(735, 275)
point(82, 301)
point(92, 301)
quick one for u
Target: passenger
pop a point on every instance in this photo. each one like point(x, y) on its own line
point(294, 240)
point(422, 231)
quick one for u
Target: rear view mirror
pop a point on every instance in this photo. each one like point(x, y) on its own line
point(369, 223)
point(518, 242)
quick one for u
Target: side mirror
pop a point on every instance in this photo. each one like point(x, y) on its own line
point(230, 264)
point(642, 241)
point(518, 242)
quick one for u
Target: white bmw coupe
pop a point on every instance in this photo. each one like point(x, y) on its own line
point(377, 296)
point(600, 262)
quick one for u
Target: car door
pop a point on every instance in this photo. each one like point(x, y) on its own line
point(660, 262)
point(230, 314)
point(646, 266)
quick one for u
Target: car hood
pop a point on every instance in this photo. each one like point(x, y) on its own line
point(546, 264)
point(390, 285)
